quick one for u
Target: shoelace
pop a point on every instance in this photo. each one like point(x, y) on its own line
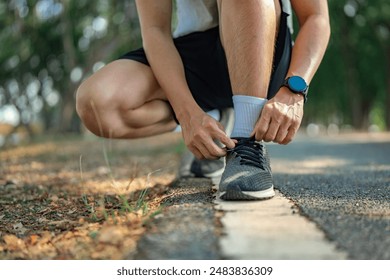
point(249, 152)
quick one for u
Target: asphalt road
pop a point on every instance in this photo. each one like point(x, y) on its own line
point(342, 183)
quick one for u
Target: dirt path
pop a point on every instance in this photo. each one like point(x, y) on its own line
point(82, 198)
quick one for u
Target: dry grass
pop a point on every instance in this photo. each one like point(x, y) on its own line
point(82, 199)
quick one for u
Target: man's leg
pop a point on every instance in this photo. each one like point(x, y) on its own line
point(248, 33)
point(124, 100)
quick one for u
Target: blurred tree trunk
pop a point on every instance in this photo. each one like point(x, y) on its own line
point(360, 108)
point(387, 100)
point(67, 110)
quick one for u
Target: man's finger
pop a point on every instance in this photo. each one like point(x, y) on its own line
point(196, 152)
point(272, 131)
point(211, 151)
point(224, 139)
point(205, 152)
point(290, 135)
point(281, 135)
point(261, 126)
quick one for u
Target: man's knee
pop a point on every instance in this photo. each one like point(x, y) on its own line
point(107, 102)
point(103, 111)
point(89, 108)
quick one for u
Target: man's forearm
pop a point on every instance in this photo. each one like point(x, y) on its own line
point(310, 46)
point(168, 68)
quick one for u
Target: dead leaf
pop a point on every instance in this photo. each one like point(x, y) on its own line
point(46, 236)
point(11, 182)
point(44, 196)
point(69, 235)
point(111, 235)
point(2, 216)
point(13, 243)
point(103, 170)
point(42, 220)
point(62, 222)
point(19, 228)
point(34, 239)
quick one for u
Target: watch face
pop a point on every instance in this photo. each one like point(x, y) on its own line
point(297, 84)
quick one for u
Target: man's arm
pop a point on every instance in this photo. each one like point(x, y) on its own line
point(199, 130)
point(282, 115)
point(312, 39)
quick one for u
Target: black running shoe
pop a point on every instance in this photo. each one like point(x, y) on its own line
point(247, 174)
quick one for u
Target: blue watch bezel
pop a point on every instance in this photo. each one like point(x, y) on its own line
point(297, 85)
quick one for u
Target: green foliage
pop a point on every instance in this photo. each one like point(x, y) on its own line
point(352, 80)
point(49, 46)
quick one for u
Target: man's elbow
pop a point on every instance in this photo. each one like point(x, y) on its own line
point(325, 27)
point(322, 24)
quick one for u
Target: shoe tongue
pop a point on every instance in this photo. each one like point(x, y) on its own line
point(243, 138)
point(250, 152)
point(247, 143)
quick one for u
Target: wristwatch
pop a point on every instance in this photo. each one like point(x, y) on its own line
point(297, 85)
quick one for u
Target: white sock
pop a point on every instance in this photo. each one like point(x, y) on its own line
point(177, 128)
point(215, 114)
point(247, 111)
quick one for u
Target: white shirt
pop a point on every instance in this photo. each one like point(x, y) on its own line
point(195, 15)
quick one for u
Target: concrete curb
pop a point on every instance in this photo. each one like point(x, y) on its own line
point(271, 229)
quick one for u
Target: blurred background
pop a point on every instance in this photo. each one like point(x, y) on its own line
point(47, 47)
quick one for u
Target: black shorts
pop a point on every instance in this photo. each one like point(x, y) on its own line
point(206, 67)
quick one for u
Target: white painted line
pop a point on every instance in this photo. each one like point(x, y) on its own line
point(271, 230)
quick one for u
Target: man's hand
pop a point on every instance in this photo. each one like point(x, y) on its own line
point(280, 118)
point(200, 132)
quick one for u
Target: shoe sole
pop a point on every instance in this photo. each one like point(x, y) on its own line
point(235, 194)
point(215, 174)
